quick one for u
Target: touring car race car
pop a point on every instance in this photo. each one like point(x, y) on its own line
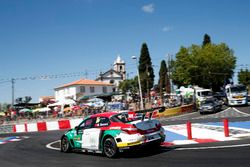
point(111, 132)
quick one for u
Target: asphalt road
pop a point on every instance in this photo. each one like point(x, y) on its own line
point(31, 151)
point(231, 113)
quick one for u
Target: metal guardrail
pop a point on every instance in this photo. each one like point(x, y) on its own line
point(6, 129)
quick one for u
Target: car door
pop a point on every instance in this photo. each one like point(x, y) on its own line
point(90, 135)
point(86, 124)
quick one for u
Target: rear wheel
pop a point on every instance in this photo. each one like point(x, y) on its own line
point(110, 148)
point(65, 145)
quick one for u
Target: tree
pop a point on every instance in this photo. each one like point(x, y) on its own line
point(206, 40)
point(164, 82)
point(244, 77)
point(130, 85)
point(4, 107)
point(207, 67)
point(146, 70)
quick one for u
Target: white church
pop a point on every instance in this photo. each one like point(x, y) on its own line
point(116, 74)
point(107, 82)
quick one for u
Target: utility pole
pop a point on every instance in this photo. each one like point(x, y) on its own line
point(139, 82)
point(169, 66)
point(13, 90)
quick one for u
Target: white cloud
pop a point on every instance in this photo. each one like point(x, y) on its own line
point(167, 29)
point(148, 8)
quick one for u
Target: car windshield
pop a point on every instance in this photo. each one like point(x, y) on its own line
point(206, 93)
point(238, 89)
point(208, 102)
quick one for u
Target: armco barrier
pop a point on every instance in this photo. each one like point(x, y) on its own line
point(41, 126)
point(67, 124)
point(169, 112)
point(46, 126)
point(6, 128)
point(64, 124)
point(175, 111)
point(187, 108)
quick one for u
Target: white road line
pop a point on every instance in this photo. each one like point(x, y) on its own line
point(215, 147)
point(240, 111)
point(226, 109)
point(53, 148)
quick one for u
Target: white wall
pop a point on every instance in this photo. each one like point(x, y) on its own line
point(62, 93)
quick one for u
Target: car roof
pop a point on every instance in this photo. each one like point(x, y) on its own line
point(104, 114)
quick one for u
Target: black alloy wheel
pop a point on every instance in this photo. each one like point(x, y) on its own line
point(65, 145)
point(110, 148)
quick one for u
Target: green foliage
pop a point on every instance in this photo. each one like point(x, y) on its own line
point(146, 70)
point(163, 75)
point(4, 107)
point(206, 66)
point(244, 77)
point(164, 82)
point(129, 85)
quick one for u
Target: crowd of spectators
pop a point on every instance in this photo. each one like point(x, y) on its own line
point(80, 110)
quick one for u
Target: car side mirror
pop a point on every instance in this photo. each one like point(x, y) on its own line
point(78, 130)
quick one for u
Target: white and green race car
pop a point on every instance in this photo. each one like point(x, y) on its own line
point(111, 132)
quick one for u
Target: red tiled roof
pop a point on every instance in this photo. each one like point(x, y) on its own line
point(85, 82)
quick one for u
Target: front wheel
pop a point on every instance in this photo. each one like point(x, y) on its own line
point(110, 148)
point(65, 145)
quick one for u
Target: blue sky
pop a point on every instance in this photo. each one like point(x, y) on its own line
point(54, 37)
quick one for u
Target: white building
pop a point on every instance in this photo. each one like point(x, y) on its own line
point(82, 87)
point(115, 75)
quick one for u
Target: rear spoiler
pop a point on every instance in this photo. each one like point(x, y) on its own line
point(150, 111)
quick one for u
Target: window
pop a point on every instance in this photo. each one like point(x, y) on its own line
point(82, 89)
point(111, 81)
point(101, 122)
point(123, 117)
point(92, 89)
point(88, 123)
point(104, 89)
point(120, 68)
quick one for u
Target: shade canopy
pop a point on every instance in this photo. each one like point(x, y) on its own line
point(25, 110)
point(103, 95)
point(63, 102)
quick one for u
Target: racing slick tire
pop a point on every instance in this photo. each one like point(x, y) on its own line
point(65, 145)
point(109, 148)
